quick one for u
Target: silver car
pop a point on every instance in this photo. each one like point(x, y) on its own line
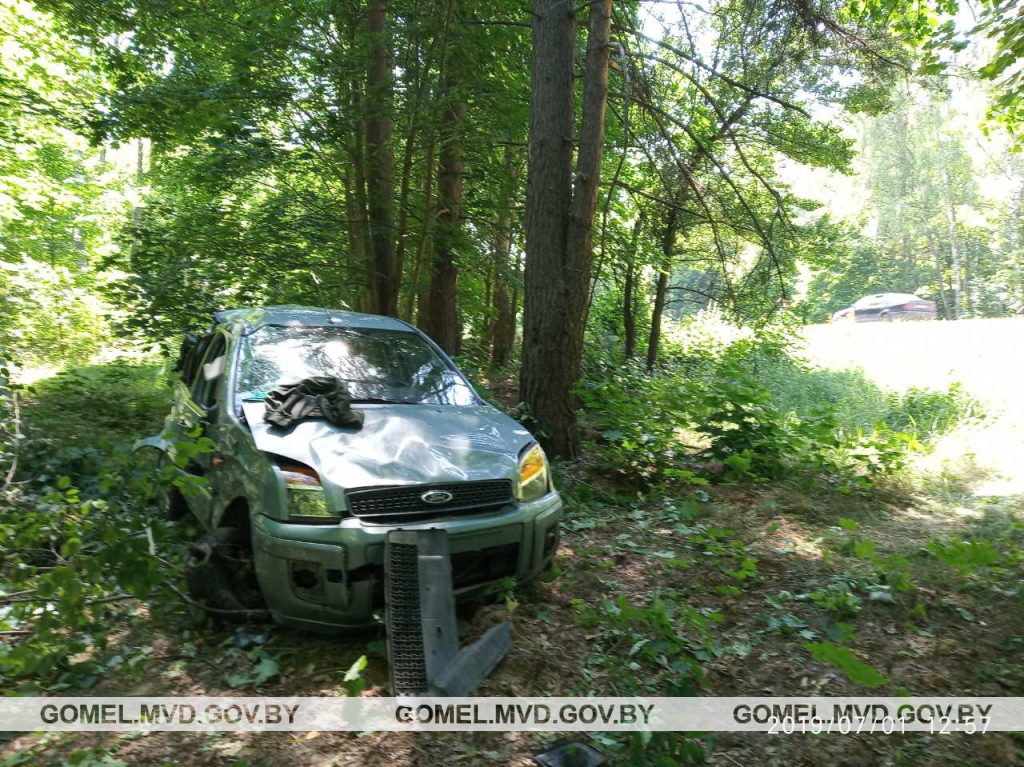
point(888, 307)
point(296, 520)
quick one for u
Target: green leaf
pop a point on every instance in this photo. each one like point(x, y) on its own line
point(843, 659)
point(356, 669)
point(266, 669)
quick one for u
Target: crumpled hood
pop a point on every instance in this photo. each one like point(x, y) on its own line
point(400, 444)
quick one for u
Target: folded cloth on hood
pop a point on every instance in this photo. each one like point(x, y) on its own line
point(316, 397)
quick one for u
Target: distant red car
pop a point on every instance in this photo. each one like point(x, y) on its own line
point(888, 307)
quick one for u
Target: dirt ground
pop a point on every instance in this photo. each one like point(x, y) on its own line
point(944, 654)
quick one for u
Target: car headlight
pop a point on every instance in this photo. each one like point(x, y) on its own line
point(306, 500)
point(534, 479)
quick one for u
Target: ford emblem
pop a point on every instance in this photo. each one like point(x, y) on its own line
point(436, 497)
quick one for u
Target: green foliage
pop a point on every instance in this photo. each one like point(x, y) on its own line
point(123, 396)
point(966, 556)
point(731, 406)
point(838, 599)
point(662, 643)
point(78, 533)
point(639, 422)
point(353, 681)
point(51, 314)
point(927, 413)
point(60, 203)
point(66, 555)
point(843, 659)
point(1000, 24)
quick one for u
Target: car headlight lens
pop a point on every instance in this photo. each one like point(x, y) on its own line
point(534, 479)
point(306, 500)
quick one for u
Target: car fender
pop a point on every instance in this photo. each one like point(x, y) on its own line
point(158, 443)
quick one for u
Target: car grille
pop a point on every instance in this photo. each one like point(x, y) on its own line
point(405, 628)
point(394, 503)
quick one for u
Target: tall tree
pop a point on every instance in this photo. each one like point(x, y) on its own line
point(560, 208)
point(380, 162)
point(629, 291)
point(503, 330)
point(668, 246)
point(439, 317)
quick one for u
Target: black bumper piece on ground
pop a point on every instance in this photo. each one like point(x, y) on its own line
point(419, 616)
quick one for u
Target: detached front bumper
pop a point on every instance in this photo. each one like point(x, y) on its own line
point(330, 578)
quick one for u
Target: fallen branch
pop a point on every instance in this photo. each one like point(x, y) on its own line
point(253, 615)
point(97, 601)
point(15, 594)
point(185, 656)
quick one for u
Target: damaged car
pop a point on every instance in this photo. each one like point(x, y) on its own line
point(328, 429)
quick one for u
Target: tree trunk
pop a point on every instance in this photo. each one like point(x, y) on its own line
point(140, 177)
point(1013, 238)
point(402, 234)
point(356, 243)
point(937, 253)
point(380, 162)
point(560, 215)
point(347, 21)
point(503, 335)
point(415, 289)
point(416, 72)
point(668, 244)
point(953, 251)
point(441, 320)
point(545, 378)
point(629, 292)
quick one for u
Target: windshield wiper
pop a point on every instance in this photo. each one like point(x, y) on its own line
point(382, 401)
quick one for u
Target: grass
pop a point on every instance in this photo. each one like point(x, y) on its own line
point(89, 404)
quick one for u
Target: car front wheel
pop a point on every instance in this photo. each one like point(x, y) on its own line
point(221, 576)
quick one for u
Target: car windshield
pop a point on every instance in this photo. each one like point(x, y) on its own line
point(377, 365)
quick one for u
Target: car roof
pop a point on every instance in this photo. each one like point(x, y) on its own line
point(890, 297)
point(306, 316)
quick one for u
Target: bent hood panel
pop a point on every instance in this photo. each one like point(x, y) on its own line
point(400, 444)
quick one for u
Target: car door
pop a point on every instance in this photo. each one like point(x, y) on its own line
point(203, 409)
point(184, 413)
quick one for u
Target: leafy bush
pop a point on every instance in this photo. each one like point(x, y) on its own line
point(966, 556)
point(66, 557)
point(640, 423)
point(71, 549)
point(730, 405)
point(48, 315)
point(838, 599)
point(927, 413)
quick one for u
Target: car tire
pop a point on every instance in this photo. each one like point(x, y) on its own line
point(221, 576)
